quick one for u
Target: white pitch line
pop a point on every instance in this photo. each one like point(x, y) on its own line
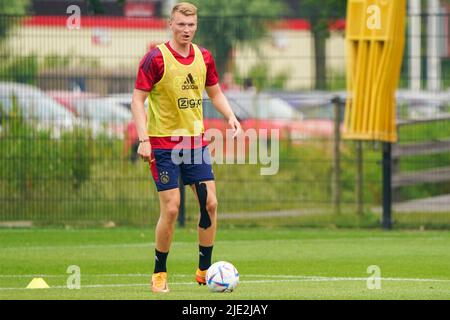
point(105, 286)
point(86, 246)
point(151, 244)
point(293, 279)
point(321, 278)
point(262, 276)
point(125, 275)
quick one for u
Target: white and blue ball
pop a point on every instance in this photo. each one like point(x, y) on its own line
point(222, 276)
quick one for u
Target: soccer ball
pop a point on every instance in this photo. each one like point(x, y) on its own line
point(222, 276)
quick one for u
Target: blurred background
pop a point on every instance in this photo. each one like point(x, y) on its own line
point(68, 143)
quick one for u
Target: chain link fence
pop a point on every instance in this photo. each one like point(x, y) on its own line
point(67, 145)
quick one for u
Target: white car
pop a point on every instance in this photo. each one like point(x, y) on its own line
point(423, 104)
point(124, 99)
point(104, 116)
point(36, 107)
point(264, 106)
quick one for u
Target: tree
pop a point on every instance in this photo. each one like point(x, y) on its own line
point(8, 9)
point(320, 14)
point(223, 23)
point(14, 68)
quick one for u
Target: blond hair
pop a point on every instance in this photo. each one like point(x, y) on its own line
point(185, 8)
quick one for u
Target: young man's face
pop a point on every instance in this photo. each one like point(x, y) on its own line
point(183, 28)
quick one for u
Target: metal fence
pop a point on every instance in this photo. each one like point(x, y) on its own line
point(67, 152)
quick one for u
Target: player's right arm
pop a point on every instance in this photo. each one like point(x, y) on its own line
point(150, 72)
point(140, 119)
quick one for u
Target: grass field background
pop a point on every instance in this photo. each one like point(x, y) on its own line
point(273, 263)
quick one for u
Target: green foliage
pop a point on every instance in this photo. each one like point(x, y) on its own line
point(416, 133)
point(34, 162)
point(78, 146)
point(22, 146)
point(223, 23)
point(320, 14)
point(96, 7)
point(66, 61)
point(10, 8)
point(262, 79)
point(259, 74)
point(446, 73)
point(424, 131)
point(26, 69)
point(20, 69)
point(56, 61)
point(336, 80)
point(16, 7)
point(84, 180)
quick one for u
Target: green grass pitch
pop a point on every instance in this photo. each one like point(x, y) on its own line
point(273, 263)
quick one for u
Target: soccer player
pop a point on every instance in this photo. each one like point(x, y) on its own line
point(173, 76)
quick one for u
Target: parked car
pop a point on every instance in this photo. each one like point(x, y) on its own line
point(103, 115)
point(68, 98)
point(123, 99)
point(36, 107)
point(267, 112)
point(422, 104)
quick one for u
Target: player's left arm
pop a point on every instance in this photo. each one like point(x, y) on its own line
point(221, 104)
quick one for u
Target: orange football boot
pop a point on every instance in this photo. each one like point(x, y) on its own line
point(159, 282)
point(200, 277)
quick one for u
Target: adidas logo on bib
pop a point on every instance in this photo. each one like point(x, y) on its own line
point(189, 83)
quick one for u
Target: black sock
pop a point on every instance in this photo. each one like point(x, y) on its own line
point(205, 254)
point(160, 261)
